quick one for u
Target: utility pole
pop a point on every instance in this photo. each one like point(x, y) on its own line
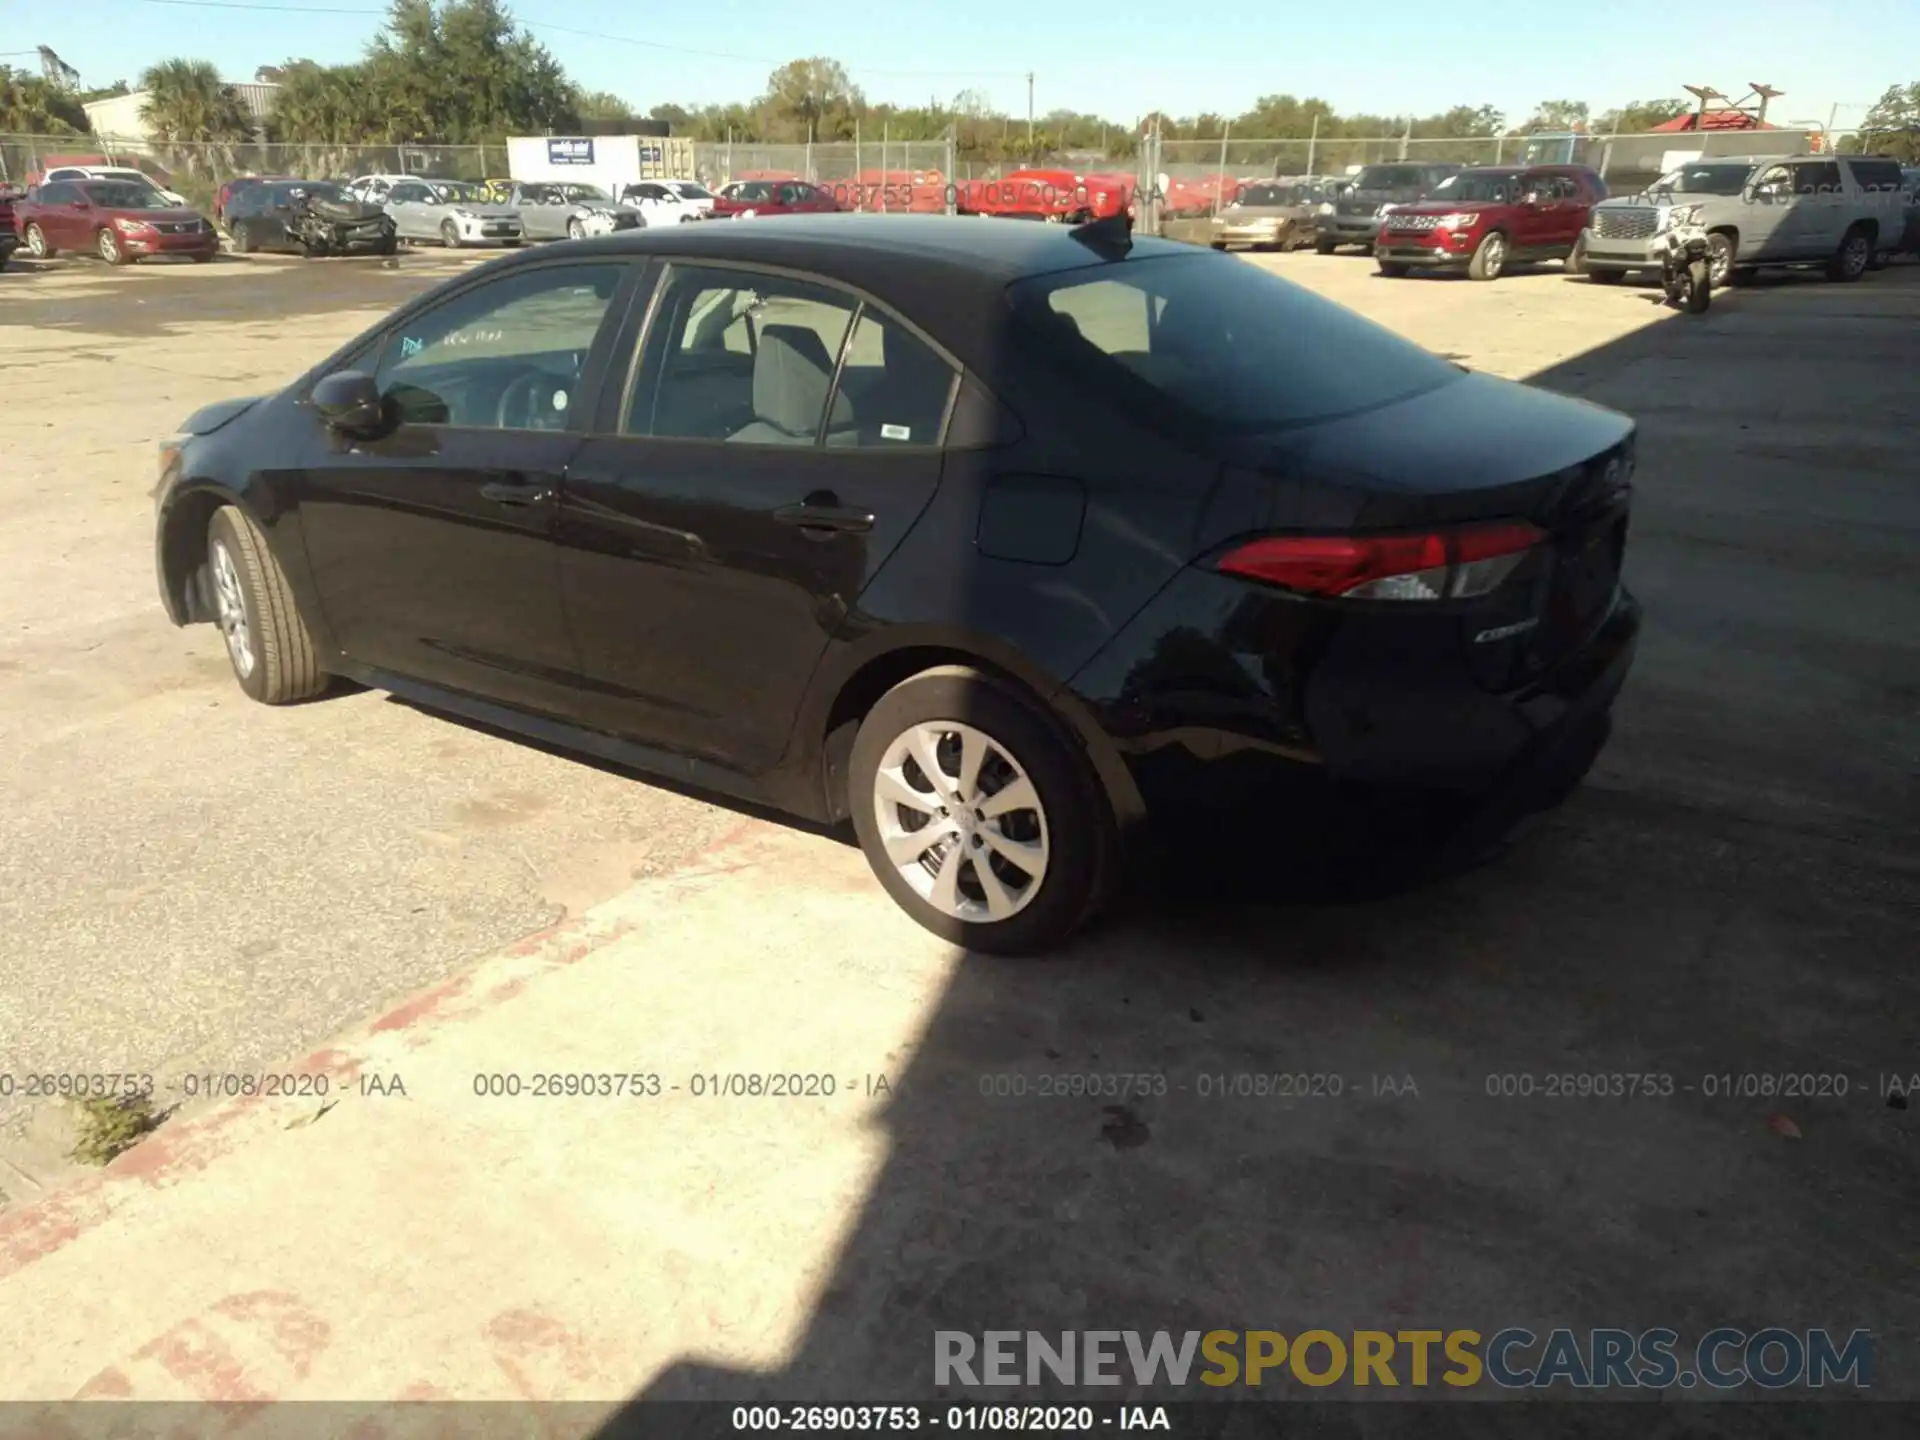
point(1029, 114)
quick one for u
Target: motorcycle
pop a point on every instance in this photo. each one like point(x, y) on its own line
point(1686, 269)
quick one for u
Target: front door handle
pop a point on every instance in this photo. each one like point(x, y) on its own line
point(515, 494)
point(823, 511)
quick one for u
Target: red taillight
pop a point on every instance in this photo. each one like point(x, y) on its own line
point(1443, 565)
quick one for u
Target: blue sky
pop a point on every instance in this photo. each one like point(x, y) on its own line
point(1121, 59)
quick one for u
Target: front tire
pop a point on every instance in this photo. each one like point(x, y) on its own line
point(1606, 277)
point(108, 244)
point(1489, 257)
point(450, 235)
point(978, 816)
point(37, 245)
point(1324, 245)
point(1394, 269)
point(1720, 255)
point(268, 645)
point(575, 230)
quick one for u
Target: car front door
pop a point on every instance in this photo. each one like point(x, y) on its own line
point(431, 546)
point(776, 442)
point(1766, 216)
point(1533, 212)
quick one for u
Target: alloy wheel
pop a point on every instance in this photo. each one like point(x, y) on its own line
point(36, 242)
point(575, 230)
point(1496, 254)
point(231, 606)
point(1719, 260)
point(109, 247)
point(961, 821)
point(1858, 251)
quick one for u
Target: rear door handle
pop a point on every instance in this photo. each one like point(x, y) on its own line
point(825, 512)
point(515, 494)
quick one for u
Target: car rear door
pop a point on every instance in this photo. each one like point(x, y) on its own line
point(407, 204)
point(431, 546)
point(1820, 214)
point(718, 527)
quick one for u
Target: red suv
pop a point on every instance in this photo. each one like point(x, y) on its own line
point(1491, 217)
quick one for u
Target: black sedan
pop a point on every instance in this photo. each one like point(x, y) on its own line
point(306, 217)
point(996, 540)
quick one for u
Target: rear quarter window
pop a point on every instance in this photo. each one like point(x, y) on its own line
point(1876, 174)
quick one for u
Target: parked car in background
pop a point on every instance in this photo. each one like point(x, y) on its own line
point(117, 220)
point(453, 212)
point(308, 217)
point(745, 199)
point(693, 194)
point(1910, 183)
point(1197, 545)
point(377, 187)
point(1269, 215)
point(9, 232)
point(223, 197)
point(125, 174)
point(658, 202)
point(1058, 195)
point(1355, 219)
point(1836, 211)
point(564, 212)
point(1483, 220)
point(498, 189)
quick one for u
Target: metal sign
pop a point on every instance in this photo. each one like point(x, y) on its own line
point(574, 150)
point(653, 154)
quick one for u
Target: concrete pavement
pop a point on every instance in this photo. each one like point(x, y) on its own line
point(1733, 895)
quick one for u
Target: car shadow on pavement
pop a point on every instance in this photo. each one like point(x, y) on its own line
point(1282, 1112)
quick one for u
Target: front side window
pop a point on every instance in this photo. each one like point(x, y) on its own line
point(1480, 188)
point(1222, 344)
point(506, 355)
point(739, 357)
point(117, 195)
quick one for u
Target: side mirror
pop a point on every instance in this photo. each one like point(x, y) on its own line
point(349, 401)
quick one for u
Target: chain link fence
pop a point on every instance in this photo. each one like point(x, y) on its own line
point(1181, 179)
point(197, 171)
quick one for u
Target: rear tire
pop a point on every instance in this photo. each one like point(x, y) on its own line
point(268, 644)
point(1576, 261)
point(243, 239)
point(1394, 269)
point(37, 245)
point(1606, 277)
point(1064, 838)
point(1853, 257)
point(1324, 245)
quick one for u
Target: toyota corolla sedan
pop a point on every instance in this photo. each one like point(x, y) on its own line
point(999, 542)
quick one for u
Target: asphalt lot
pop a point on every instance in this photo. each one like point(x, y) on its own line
point(194, 881)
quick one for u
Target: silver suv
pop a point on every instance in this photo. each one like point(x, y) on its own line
point(1834, 210)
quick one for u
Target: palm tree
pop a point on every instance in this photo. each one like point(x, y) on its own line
point(29, 105)
point(194, 115)
point(326, 111)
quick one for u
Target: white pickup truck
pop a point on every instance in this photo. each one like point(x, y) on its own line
point(1842, 212)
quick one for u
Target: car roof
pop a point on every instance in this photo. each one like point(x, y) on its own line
point(842, 245)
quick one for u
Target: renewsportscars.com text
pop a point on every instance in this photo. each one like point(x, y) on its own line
point(1510, 1359)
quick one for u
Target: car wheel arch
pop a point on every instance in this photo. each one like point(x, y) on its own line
point(841, 700)
point(183, 548)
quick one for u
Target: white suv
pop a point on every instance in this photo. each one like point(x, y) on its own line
point(124, 173)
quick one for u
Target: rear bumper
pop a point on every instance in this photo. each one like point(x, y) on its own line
point(1221, 700)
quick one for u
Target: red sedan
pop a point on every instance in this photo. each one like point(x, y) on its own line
point(746, 198)
point(118, 221)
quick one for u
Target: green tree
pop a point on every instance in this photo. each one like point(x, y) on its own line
point(328, 110)
point(1893, 124)
point(1639, 116)
point(29, 105)
point(463, 73)
point(193, 115)
point(1556, 117)
point(812, 99)
point(602, 105)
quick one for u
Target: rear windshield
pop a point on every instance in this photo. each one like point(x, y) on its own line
point(1230, 345)
point(1390, 177)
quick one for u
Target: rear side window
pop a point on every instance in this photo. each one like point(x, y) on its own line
point(1222, 343)
point(1876, 174)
